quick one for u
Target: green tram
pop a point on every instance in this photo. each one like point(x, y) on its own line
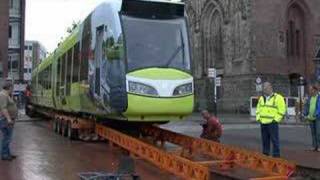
point(129, 60)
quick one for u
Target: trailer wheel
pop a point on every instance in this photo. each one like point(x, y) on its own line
point(55, 125)
point(30, 112)
point(59, 129)
point(72, 133)
point(64, 129)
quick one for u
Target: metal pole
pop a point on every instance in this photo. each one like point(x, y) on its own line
point(215, 95)
point(212, 75)
point(300, 104)
point(11, 71)
point(301, 94)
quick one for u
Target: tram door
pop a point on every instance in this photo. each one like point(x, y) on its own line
point(98, 58)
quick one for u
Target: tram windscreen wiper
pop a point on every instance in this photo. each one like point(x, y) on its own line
point(179, 48)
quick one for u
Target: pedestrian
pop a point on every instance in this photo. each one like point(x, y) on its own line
point(8, 115)
point(27, 95)
point(271, 110)
point(212, 129)
point(312, 114)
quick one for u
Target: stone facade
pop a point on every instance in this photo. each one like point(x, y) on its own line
point(4, 28)
point(246, 39)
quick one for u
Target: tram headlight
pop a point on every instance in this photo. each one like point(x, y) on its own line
point(139, 88)
point(183, 90)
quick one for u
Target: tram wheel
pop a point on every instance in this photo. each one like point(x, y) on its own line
point(72, 133)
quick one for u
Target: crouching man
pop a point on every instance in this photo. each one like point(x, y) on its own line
point(212, 129)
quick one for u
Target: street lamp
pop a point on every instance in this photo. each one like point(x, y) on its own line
point(12, 77)
point(301, 84)
point(212, 74)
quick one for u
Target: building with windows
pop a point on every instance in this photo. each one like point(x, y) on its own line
point(275, 40)
point(34, 53)
point(12, 23)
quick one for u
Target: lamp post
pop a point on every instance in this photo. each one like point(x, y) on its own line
point(212, 74)
point(301, 84)
point(259, 86)
point(10, 73)
point(12, 77)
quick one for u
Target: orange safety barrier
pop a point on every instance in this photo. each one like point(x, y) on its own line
point(278, 168)
point(177, 165)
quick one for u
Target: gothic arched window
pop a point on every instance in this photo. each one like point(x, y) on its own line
point(213, 40)
point(295, 31)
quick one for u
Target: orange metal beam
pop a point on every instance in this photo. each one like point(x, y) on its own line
point(244, 158)
point(177, 165)
point(180, 166)
point(209, 163)
point(271, 178)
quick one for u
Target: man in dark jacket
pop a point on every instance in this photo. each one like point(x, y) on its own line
point(312, 114)
point(212, 129)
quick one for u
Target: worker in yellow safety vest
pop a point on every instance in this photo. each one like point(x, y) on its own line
point(271, 109)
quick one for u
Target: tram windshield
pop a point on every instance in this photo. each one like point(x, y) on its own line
point(156, 43)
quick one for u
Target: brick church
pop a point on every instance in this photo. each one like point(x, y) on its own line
point(275, 40)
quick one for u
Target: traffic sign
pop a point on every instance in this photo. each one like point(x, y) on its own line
point(259, 87)
point(19, 87)
point(258, 80)
point(218, 81)
point(301, 81)
point(212, 72)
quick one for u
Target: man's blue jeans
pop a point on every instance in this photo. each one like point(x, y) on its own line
point(315, 132)
point(6, 140)
point(270, 133)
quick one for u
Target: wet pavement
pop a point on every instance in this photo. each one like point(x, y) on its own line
point(43, 155)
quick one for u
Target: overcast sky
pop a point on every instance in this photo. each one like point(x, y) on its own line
point(47, 20)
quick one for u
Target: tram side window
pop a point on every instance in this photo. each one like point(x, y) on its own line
point(58, 79)
point(33, 83)
point(43, 76)
point(63, 70)
point(39, 80)
point(49, 76)
point(76, 63)
point(42, 79)
point(37, 83)
point(69, 66)
point(85, 51)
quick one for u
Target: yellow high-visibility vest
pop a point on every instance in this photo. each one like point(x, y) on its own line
point(273, 109)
